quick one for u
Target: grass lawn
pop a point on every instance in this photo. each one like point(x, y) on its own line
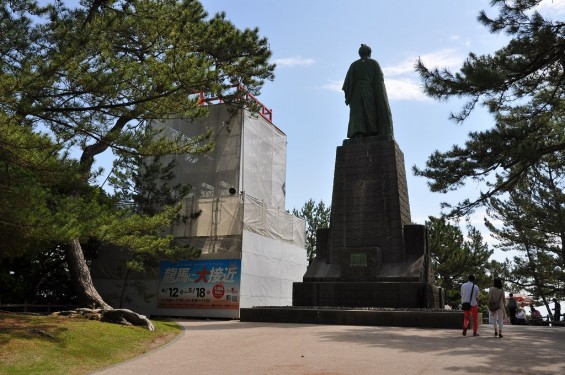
point(46, 344)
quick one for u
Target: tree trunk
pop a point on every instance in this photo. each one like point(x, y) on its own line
point(86, 293)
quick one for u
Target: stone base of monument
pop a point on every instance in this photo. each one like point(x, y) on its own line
point(392, 294)
point(372, 265)
point(418, 318)
point(370, 282)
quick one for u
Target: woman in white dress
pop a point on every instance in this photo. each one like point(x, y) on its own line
point(497, 303)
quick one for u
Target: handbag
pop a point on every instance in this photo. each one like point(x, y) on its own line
point(467, 305)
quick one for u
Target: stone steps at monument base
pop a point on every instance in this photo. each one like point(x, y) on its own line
point(449, 319)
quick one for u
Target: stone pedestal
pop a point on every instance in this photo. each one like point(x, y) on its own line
point(371, 255)
point(370, 199)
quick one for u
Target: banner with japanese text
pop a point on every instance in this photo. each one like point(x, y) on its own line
point(200, 284)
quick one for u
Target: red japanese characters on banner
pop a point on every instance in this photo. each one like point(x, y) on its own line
point(209, 284)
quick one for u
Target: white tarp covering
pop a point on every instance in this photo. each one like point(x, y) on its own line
point(272, 222)
point(236, 210)
point(249, 156)
point(213, 173)
point(269, 268)
point(264, 161)
point(210, 217)
point(228, 216)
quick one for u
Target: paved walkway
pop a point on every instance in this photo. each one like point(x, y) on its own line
point(233, 347)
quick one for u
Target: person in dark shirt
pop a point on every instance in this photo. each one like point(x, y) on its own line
point(512, 308)
point(557, 309)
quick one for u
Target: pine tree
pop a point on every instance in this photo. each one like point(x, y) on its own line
point(30, 169)
point(93, 79)
point(454, 257)
point(317, 216)
point(533, 224)
point(521, 84)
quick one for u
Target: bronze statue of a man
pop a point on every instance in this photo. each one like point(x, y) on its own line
point(365, 93)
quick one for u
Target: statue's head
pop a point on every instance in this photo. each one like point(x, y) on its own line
point(364, 51)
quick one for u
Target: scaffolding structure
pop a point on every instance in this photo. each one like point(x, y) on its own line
point(235, 213)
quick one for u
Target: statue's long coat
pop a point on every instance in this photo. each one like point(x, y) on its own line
point(365, 93)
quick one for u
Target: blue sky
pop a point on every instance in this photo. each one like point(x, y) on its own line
point(314, 42)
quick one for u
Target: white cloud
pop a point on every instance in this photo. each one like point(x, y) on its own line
point(405, 67)
point(551, 7)
point(333, 86)
point(444, 58)
point(293, 61)
point(402, 82)
point(404, 89)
